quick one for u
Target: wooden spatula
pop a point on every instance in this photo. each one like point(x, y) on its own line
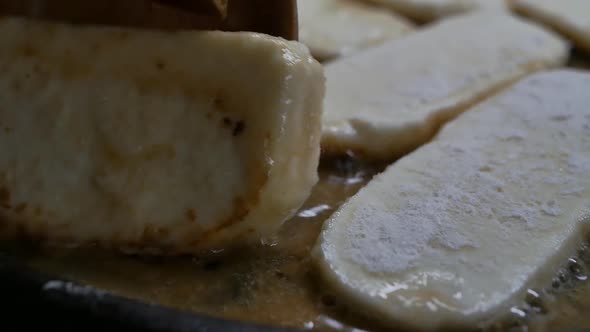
point(273, 17)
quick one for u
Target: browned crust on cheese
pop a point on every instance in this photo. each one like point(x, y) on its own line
point(20, 223)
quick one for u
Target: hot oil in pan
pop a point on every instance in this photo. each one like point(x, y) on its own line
point(274, 283)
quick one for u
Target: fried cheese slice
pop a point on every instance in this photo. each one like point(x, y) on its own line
point(388, 100)
point(453, 234)
point(171, 141)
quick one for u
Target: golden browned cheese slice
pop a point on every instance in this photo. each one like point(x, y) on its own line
point(151, 140)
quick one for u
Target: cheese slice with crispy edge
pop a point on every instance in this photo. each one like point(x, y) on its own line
point(428, 10)
point(145, 140)
point(454, 233)
point(388, 100)
point(569, 17)
point(334, 28)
